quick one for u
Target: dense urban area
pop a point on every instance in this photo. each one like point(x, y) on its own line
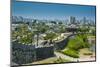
point(36, 41)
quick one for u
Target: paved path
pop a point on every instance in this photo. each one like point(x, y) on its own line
point(58, 54)
point(61, 55)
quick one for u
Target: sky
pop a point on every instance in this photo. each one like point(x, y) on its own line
point(49, 11)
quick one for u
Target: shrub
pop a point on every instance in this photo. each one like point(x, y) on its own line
point(88, 53)
point(80, 41)
point(76, 43)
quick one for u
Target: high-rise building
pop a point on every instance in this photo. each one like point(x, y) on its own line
point(72, 20)
point(84, 20)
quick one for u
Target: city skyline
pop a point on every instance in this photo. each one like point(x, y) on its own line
point(52, 11)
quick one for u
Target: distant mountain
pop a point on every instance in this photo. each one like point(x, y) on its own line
point(20, 19)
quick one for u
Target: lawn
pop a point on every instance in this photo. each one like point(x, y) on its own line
point(71, 52)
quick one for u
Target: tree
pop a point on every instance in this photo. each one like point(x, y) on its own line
point(50, 36)
point(53, 22)
point(60, 23)
point(24, 34)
